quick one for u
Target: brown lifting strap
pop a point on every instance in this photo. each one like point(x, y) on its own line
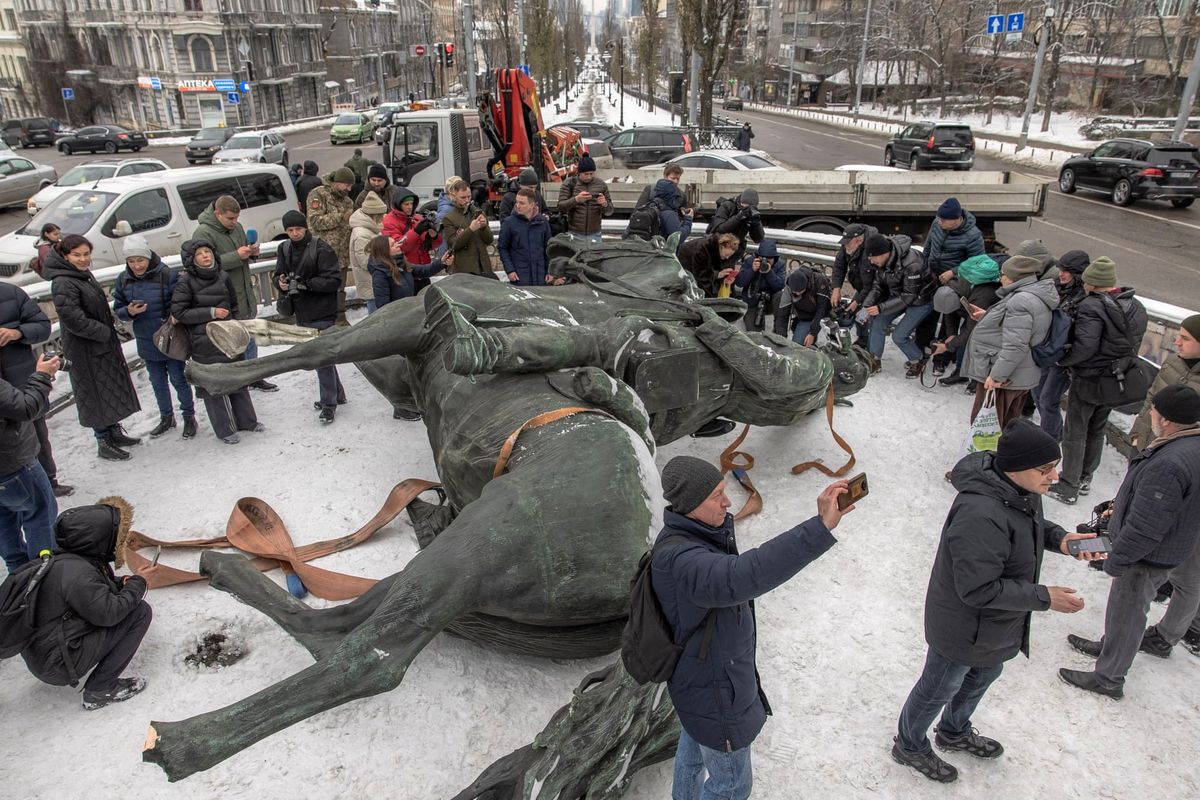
point(537, 422)
point(256, 529)
point(842, 443)
point(740, 471)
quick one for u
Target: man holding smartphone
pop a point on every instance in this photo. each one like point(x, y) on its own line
point(1155, 536)
point(982, 590)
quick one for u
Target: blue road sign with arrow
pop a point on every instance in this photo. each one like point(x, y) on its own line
point(244, 87)
point(996, 24)
point(233, 98)
point(1016, 23)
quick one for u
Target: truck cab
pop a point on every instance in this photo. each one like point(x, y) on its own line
point(423, 149)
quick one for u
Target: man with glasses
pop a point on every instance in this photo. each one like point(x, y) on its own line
point(983, 586)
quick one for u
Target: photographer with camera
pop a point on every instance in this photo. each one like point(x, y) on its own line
point(851, 264)
point(418, 235)
point(805, 305)
point(467, 233)
point(739, 217)
point(761, 280)
point(306, 272)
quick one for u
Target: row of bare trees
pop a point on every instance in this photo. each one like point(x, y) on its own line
point(554, 37)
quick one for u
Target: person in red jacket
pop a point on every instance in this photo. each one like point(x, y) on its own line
point(419, 235)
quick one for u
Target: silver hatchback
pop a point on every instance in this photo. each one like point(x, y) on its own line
point(21, 178)
point(253, 147)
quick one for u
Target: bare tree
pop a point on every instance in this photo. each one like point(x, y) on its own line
point(503, 47)
point(649, 44)
point(717, 22)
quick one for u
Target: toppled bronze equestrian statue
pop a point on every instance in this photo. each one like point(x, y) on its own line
point(533, 559)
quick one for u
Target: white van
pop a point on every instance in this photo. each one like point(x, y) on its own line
point(424, 149)
point(161, 206)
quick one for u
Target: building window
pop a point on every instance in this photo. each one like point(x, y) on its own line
point(156, 54)
point(202, 55)
point(193, 5)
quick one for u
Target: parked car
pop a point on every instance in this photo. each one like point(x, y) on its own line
point(638, 147)
point(87, 174)
point(384, 111)
point(1135, 169)
point(20, 177)
point(353, 127)
point(28, 132)
point(722, 159)
point(161, 206)
point(206, 143)
point(109, 138)
point(262, 147)
point(599, 151)
point(732, 103)
point(932, 145)
point(589, 130)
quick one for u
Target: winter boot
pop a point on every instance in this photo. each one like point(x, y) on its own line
point(954, 379)
point(117, 435)
point(189, 427)
point(109, 451)
point(326, 416)
point(914, 369)
point(928, 764)
point(232, 438)
point(1154, 644)
point(1085, 486)
point(406, 415)
point(876, 366)
point(166, 423)
point(1064, 493)
point(970, 742)
point(61, 489)
point(125, 689)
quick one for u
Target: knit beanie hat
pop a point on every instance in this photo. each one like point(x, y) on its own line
point(1033, 248)
point(798, 281)
point(587, 163)
point(979, 269)
point(1024, 445)
point(342, 175)
point(1178, 403)
point(945, 300)
point(950, 209)
point(1101, 273)
point(1017, 267)
point(373, 205)
point(877, 244)
point(528, 177)
point(687, 482)
point(135, 245)
point(1192, 325)
point(749, 197)
point(294, 219)
point(1074, 261)
point(377, 171)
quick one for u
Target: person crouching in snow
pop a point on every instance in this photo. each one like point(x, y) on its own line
point(86, 616)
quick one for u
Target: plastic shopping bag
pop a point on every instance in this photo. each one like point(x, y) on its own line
point(985, 430)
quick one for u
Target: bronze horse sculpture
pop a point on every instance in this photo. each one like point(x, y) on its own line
point(581, 380)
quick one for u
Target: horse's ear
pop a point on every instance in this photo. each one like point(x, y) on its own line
point(673, 242)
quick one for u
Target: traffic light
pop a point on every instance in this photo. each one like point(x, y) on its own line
point(449, 54)
point(441, 54)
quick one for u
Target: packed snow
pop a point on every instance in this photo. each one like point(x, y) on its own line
point(593, 104)
point(839, 646)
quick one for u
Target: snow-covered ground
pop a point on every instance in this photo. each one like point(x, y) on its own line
point(593, 104)
point(1064, 125)
point(839, 646)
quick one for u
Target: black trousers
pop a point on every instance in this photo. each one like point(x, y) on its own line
point(121, 641)
point(46, 454)
point(231, 413)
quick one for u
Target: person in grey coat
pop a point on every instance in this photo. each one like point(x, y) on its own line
point(1000, 349)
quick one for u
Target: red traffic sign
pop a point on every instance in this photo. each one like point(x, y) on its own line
point(418, 49)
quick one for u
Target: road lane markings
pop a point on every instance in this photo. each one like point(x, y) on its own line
point(1126, 209)
point(1139, 253)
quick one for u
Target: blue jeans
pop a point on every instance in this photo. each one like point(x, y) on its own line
point(252, 349)
point(801, 330)
point(371, 307)
point(729, 774)
point(27, 513)
point(170, 369)
point(1048, 395)
point(902, 335)
point(948, 685)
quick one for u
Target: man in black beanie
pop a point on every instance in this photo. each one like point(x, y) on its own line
point(1055, 380)
point(1155, 536)
point(716, 673)
point(982, 590)
point(904, 287)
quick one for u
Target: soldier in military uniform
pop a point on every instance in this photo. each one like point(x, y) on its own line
point(329, 210)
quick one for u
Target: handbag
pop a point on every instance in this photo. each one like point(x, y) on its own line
point(173, 341)
point(984, 433)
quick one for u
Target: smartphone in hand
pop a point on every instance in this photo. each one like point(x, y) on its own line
point(858, 489)
point(1101, 544)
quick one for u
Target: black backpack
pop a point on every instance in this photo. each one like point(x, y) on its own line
point(1054, 346)
point(645, 222)
point(648, 647)
point(18, 606)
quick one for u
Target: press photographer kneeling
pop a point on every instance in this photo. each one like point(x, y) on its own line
point(308, 278)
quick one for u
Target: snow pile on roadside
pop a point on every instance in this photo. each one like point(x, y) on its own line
point(839, 648)
point(1064, 125)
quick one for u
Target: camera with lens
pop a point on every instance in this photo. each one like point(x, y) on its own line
point(293, 287)
point(427, 224)
point(64, 364)
point(842, 313)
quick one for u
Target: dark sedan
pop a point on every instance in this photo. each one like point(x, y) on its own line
point(109, 138)
point(1134, 169)
point(206, 142)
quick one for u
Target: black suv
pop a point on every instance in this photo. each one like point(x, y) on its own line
point(932, 145)
point(27, 132)
point(639, 147)
point(1132, 169)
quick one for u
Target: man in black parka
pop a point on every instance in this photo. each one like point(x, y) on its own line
point(982, 591)
point(87, 616)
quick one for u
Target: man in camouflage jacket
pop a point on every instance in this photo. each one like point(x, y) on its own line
point(329, 210)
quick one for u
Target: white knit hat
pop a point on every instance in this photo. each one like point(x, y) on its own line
point(135, 245)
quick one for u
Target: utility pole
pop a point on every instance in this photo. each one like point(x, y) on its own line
point(862, 61)
point(1189, 95)
point(469, 47)
point(1036, 79)
point(792, 62)
point(694, 91)
point(521, 29)
point(378, 53)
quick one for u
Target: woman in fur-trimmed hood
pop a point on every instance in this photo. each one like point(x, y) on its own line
point(102, 617)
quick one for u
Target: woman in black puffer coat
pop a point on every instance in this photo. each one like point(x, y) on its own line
point(205, 293)
point(104, 393)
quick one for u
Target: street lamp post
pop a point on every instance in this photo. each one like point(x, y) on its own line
point(1035, 79)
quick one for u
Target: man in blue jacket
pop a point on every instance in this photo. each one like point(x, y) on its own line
point(524, 235)
point(953, 238)
point(761, 280)
point(715, 686)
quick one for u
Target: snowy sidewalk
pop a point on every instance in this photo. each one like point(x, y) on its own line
point(594, 105)
point(839, 646)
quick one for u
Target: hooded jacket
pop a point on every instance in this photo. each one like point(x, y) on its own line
point(730, 217)
point(757, 285)
point(313, 261)
point(469, 247)
point(584, 218)
point(362, 230)
point(104, 393)
point(398, 226)
point(197, 294)
point(1108, 327)
point(945, 250)
point(984, 581)
point(225, 244)
point(742, 140)
point(154, 288)
point(666, 195)
point(1001, 344)
point(80, 594)
point(385, 194)
point(720, 701)
point(1174, 371)
point(307, 183)
point(522, 248)
point(810, 307)
point(904, 281)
